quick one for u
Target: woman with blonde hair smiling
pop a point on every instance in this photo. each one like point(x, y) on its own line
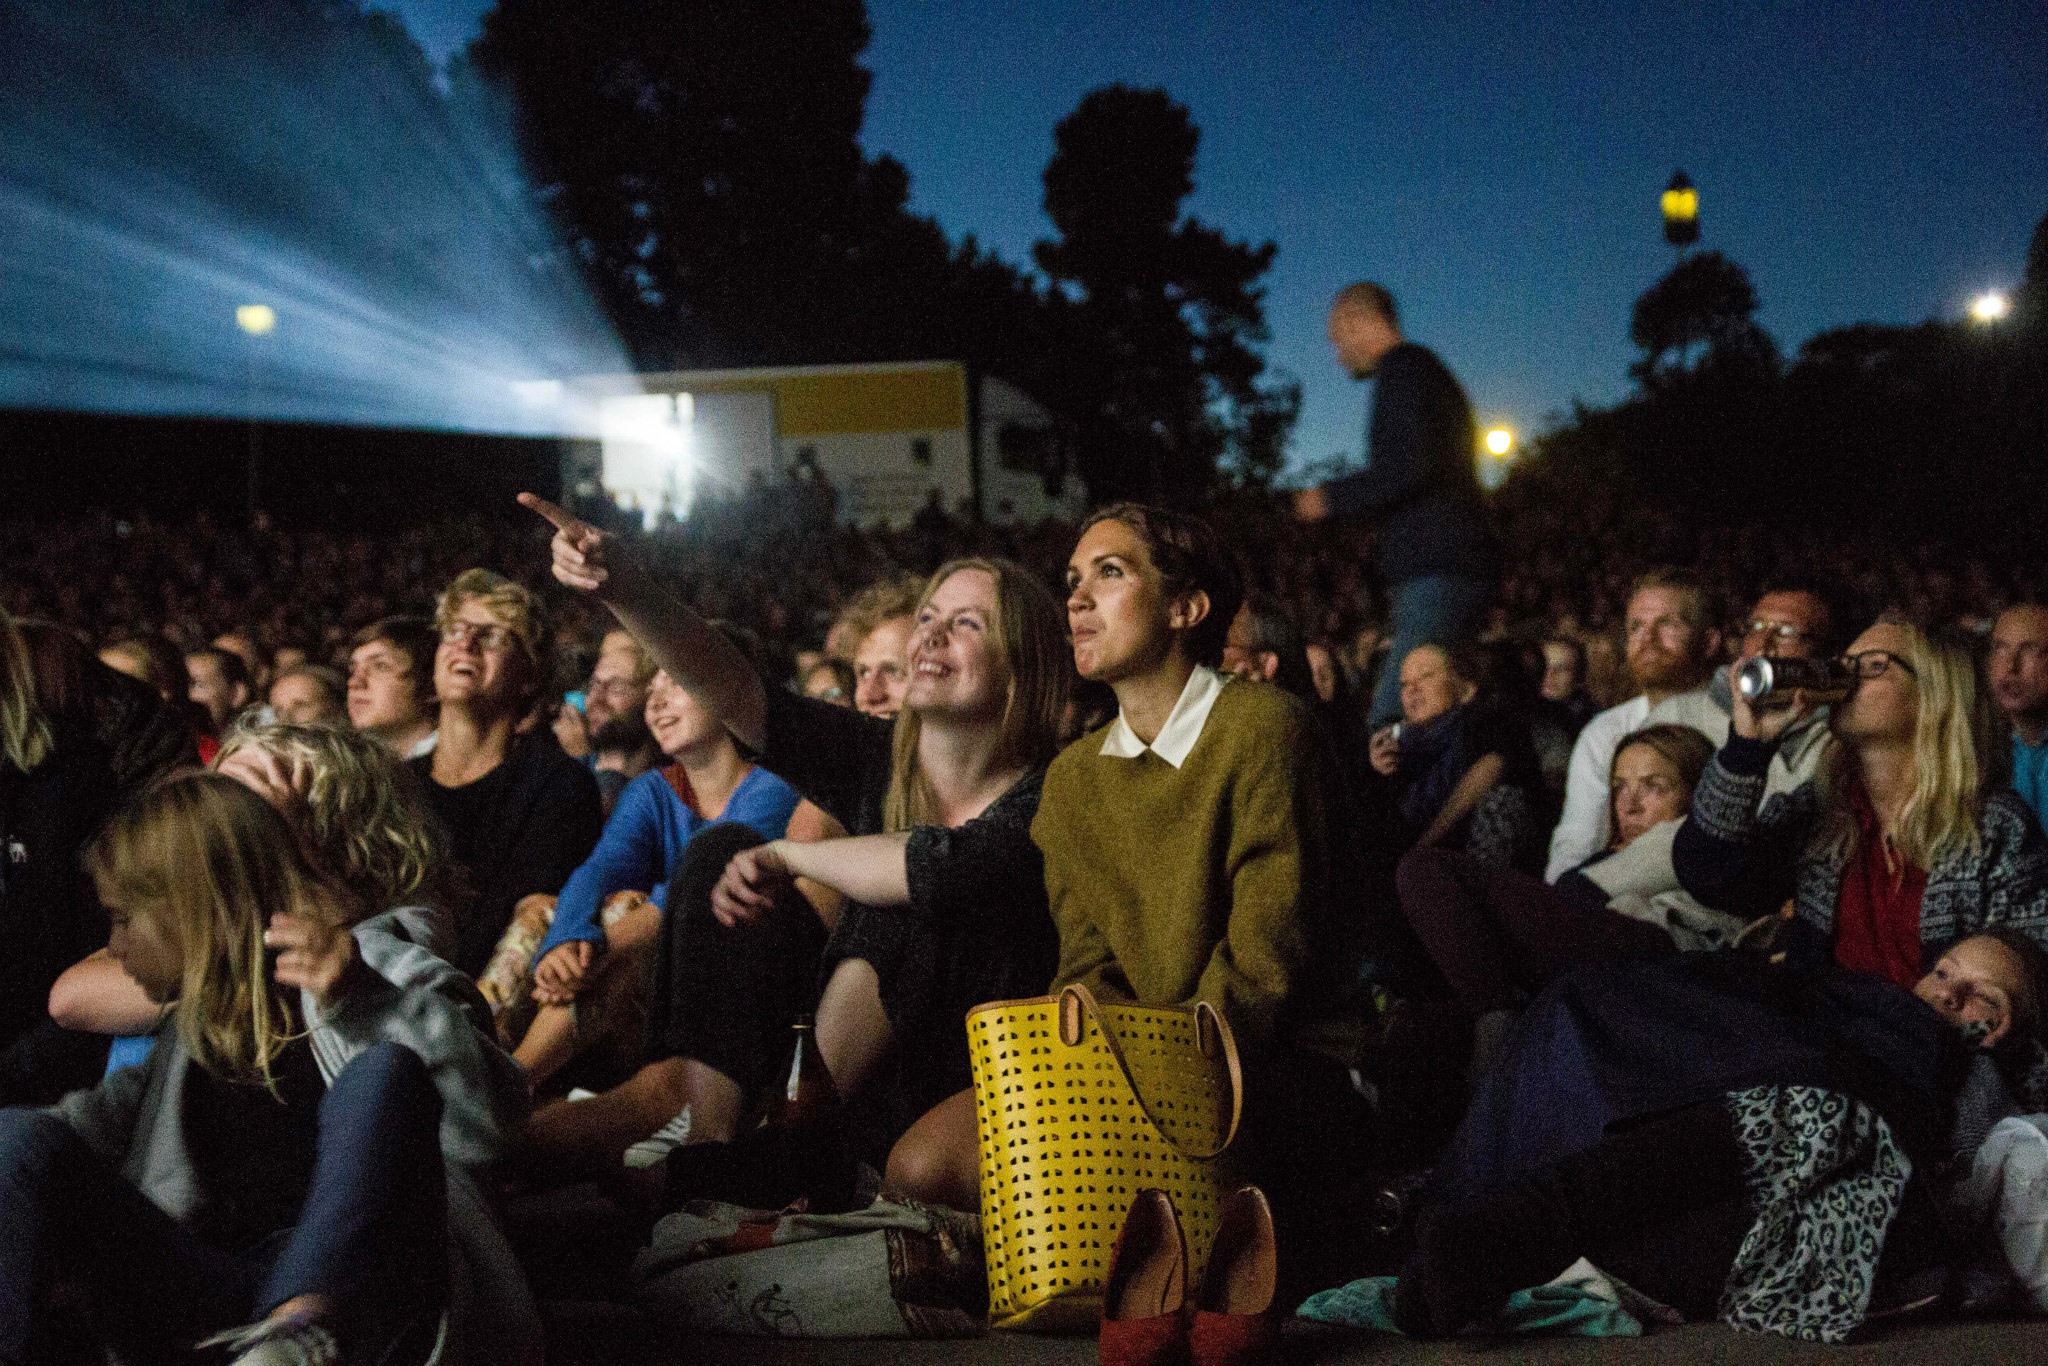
point(1900, 846)
point(946, 901)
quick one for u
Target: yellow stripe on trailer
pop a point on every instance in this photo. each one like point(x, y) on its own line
point(925, 398)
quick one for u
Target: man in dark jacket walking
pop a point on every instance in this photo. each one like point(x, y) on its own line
point(1420, 485)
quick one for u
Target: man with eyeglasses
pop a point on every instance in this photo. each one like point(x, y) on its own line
point(2017, 669)
point(1790, 622)
point(1786, 623)
point(520, 814)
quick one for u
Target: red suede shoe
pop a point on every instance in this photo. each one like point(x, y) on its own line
point(1234, 1322)
point(1144, 1295)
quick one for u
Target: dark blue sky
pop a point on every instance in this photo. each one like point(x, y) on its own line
point(1498, 166)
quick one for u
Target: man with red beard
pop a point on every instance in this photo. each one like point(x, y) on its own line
point(1670, 648)
point(2017, 668)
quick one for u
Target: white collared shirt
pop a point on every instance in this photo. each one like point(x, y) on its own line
point(1176, 739)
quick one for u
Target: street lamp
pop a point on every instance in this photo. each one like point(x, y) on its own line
point(257, 320)
point(1681, 204)
point(1990, 306)
point(1496, 452)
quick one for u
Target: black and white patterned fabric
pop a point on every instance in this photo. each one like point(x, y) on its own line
point(1825, 1178)
point(1503, 832)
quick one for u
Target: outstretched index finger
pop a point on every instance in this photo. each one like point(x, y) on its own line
point(563, 521)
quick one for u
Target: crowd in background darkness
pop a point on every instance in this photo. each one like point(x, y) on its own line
point(813, 749)
point(771, 563)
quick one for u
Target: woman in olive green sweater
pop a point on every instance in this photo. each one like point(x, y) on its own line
point(1189, 844)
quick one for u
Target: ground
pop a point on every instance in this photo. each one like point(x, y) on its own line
point(587, 1335)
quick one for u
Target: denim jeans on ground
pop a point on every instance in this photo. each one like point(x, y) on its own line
point(372, 1234)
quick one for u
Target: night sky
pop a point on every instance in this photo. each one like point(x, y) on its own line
point(1499, 168)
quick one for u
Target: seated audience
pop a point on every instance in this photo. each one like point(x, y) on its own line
point(829, 680)
point(391, 683)
point(1192, 847)
point(309, 695)
point(1742, 1140)
point(522, 815)
point(220, 687)
point(2018, 670)
point(243, 647)
point(945, 902)
point(1670, 647)
point(1558, 711)
point(707, 781)
point(139, 735)
point(617, 687)
point(359, 816)
point(1564, 679)
point(1264, 644)
point(879, 624)
point(1899, 846)
point(154, 661)
point(1499, 935)
point(1786, 623)
point(270, 1177)
point(56, 787)
point(1463, 770)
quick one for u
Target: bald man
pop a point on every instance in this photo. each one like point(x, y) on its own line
point(2017, 669)
point(1421, 485)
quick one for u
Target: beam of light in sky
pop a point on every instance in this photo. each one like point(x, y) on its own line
point(169, 173)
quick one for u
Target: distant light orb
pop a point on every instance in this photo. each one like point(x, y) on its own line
point(256, 319)
point(1990, 306)
point(1500, 441)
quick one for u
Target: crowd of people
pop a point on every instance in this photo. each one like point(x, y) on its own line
point(468, 842)
point(360, 888)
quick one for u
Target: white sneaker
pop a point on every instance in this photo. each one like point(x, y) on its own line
point(658, 1145)
point(278, 1342)
point(578, 1093)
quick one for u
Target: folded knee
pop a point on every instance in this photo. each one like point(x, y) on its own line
point(28, 1136)
point(389, 1076)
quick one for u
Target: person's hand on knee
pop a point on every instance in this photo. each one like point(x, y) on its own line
point(753, 881)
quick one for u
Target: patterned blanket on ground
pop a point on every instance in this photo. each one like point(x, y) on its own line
point(1825, 1178)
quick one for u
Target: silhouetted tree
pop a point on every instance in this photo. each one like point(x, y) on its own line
point(1703, 312)
point(705, 158)
point(1936, 427)
point(1159, 316)
point(2032, 305)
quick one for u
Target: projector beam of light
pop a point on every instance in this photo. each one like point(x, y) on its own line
point(245, 209)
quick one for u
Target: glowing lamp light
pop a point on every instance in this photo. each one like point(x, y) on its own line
point(1681, 204)
point(1990, 306)
point(256, 319)
point(1500, 441)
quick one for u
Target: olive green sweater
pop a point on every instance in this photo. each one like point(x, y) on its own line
point(1207, 882)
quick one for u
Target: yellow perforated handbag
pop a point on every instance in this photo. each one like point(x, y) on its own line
point(1082, 1104)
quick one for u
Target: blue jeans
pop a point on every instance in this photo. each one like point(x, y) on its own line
point(372, 1235)
point(1436, 609)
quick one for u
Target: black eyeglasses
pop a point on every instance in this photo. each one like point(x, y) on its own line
point(1872, 663)
point(1784, 632)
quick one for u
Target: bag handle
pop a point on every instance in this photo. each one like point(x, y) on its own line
point(1212, 1035)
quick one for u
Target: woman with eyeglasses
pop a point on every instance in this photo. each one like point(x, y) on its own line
point(1900, 845)
point(521, 814)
